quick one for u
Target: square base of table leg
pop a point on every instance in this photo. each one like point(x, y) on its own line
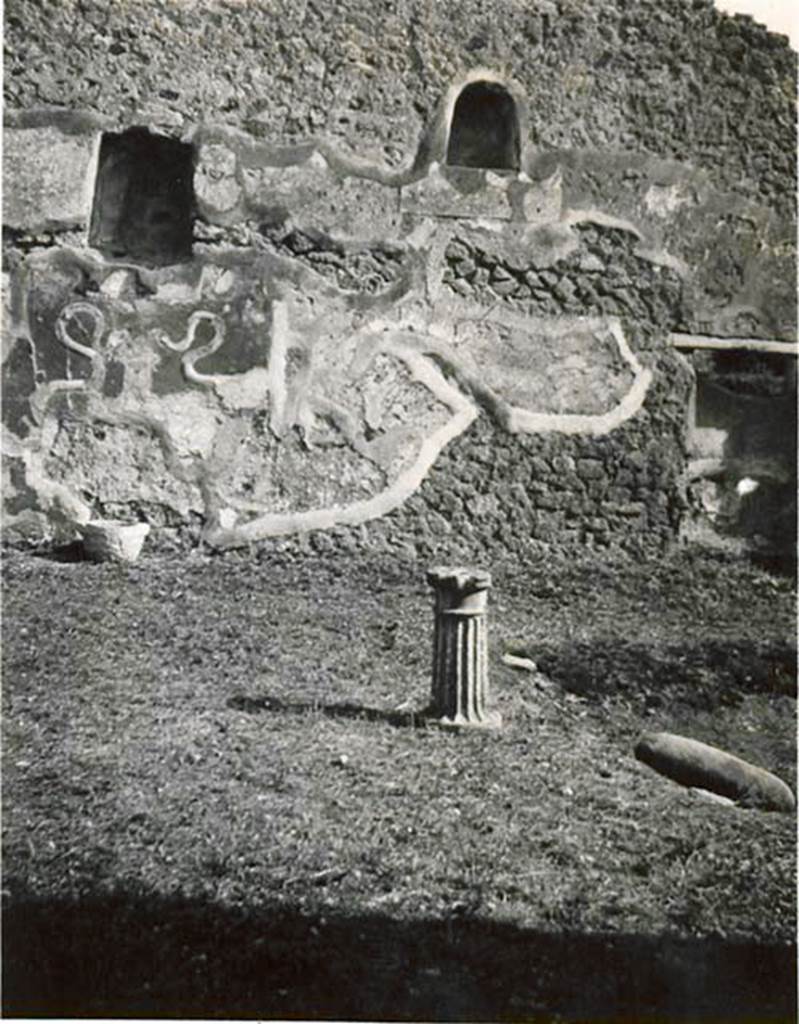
point(490, 720)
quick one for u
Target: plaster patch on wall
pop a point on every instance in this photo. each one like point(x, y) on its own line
point(276, 382)
point(438, 238)
point(269, 185)
point(371, 417)
point(542, 202)
point(483, 195)
point(460, 414)
point(116, 464)
point(654, 254)
point(215, 184)
point(571, 365)
point(190, 421)
point(52, 174)
point(60, 503)
point(497, 377)
point(603, 219)
point(458, 192)
point(664, 200)
point(313, 196)
point(593, 425)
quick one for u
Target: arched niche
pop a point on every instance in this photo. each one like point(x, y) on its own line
point(484, 131)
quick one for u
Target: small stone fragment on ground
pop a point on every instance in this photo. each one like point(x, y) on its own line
point(514, 661)
point(109, 541)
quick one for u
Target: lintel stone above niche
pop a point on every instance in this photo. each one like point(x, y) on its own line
point(471, 193)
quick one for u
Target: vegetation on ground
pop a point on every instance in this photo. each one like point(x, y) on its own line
point(221, 798)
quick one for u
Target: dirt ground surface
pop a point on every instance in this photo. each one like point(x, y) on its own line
point(221, 800)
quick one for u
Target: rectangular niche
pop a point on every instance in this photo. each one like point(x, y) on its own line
point(143, 198)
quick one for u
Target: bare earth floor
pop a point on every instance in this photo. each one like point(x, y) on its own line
point(220, 799)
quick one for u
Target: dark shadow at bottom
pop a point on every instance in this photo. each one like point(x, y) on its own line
point(128, 957)
point(779, 564)
point(72, 552)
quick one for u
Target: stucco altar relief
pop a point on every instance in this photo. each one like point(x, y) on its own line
point(140, 405)
point(337, 326)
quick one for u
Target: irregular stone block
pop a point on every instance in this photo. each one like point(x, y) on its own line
point(590, 469)
point(699, 765)
point(514, 661)
point(109, 541)
point(215, 185)
point(543, 201)
point(48, 177)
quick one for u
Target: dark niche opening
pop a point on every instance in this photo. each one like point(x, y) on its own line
point(758, 374)
point(485, 129)
point(143, 199)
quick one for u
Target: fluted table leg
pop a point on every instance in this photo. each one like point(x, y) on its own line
point(460, 648)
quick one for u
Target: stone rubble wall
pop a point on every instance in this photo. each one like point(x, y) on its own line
point(669, 77)
point(369, 349)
